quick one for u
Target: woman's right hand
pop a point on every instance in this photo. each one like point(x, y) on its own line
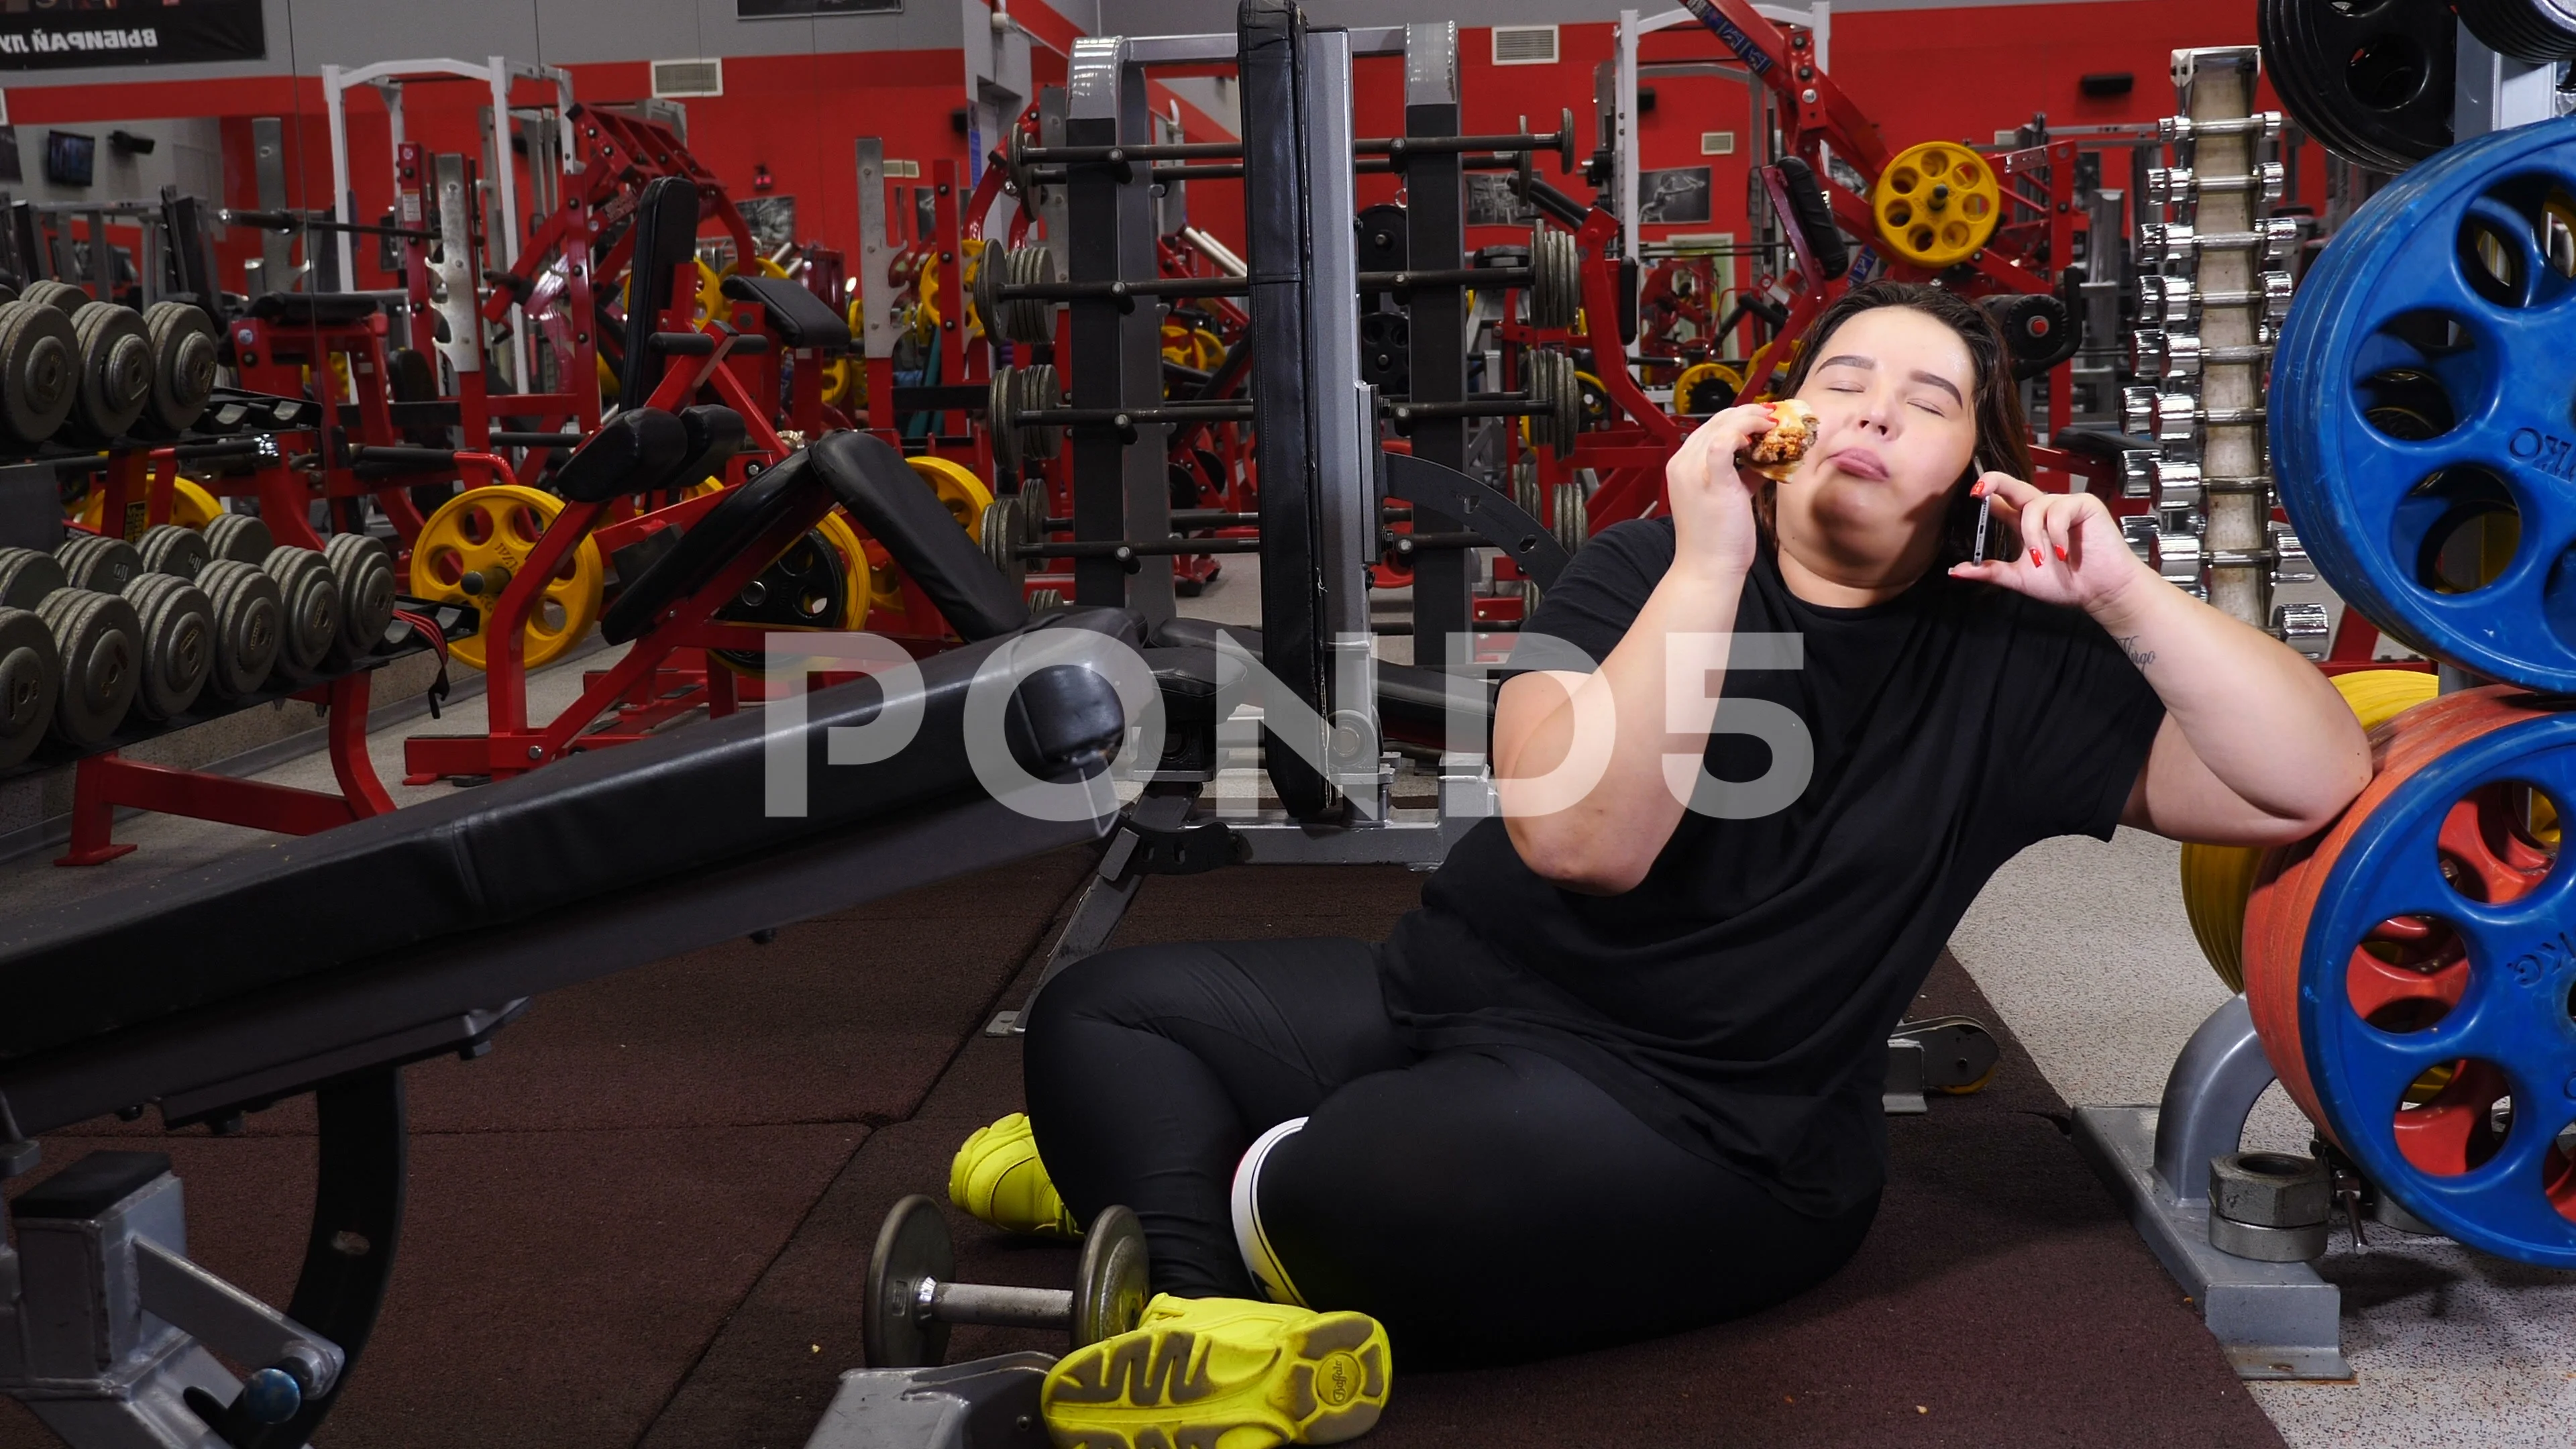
point(1712, 498)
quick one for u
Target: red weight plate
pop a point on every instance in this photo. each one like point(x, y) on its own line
point(2286, 887)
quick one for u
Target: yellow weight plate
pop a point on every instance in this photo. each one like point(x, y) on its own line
point(2218, 879)
point(1936, 203)
point(1193, 347)
point(711, 299)
point(958, 488)
point(854, 557)
point(190, 506)
point(494, 528)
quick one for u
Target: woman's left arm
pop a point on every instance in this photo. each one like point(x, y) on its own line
point(2257, 747)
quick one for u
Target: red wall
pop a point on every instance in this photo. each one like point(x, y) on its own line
point(1921, 74)
point(795, 114)
point(1960, 74)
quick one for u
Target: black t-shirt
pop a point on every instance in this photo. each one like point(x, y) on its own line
point(1739, 998)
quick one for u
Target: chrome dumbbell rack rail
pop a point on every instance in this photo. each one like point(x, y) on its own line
point(2215, 283)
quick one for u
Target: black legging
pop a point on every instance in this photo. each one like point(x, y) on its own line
point(1487, 1204)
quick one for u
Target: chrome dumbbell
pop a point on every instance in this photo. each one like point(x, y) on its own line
point(2170, 185)
point(2178, 559)
point(2303, 627)
point(2138, 530)
point(2137, 473)
point(2161, 354)
point(2160, 242)
point(2183, 130)
point(2290, 562)
point(2176, 417)
point(2177, 301)
point(2175, 485)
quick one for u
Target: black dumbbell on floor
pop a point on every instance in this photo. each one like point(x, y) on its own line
point(913, 1298)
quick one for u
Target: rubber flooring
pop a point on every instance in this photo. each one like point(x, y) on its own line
point(645, 1218)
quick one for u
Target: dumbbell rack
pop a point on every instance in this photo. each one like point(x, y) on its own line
point(2214, 284)
point(104, 781)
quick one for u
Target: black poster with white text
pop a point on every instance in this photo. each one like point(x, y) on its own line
point(65, 34)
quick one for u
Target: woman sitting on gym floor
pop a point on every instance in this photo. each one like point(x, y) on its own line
point(1619, 1075)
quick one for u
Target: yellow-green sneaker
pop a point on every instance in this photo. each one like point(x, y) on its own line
point(998, 1178)
point(1221, 1373)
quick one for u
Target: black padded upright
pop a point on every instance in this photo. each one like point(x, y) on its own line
point(900, 510)
point(800, 318)
point(666, 234)
point(1271, 40)
point(633, 452)
point(715, 435)
point(1814, 218)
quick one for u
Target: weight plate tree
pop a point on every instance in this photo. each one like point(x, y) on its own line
point(2421, 390)
point(2413, 974)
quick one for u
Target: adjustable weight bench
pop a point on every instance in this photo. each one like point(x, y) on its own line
point(327, 963)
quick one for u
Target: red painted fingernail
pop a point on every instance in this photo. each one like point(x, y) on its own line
point(2034, 558)
point(2061, 555)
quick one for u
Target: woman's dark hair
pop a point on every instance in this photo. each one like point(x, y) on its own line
point(2003, 437)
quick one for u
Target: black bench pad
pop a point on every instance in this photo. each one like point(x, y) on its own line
point(800, 318)
point(722, 533)
point(634, 452)
point(899, 509)
point(313, 309)
point(671, 807)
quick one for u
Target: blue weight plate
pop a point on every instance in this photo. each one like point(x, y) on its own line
point(2415, 388)
point(2484, 975)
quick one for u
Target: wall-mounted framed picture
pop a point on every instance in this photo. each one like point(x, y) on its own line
point(1675, 194)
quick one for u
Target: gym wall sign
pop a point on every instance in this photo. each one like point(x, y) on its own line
point(52, 35)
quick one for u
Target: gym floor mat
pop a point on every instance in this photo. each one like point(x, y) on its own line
point(646, 1217)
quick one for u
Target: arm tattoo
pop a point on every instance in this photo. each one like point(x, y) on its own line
point(2140, 657)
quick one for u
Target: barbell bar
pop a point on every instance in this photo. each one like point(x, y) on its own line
point(1014, 299)
point(1019, 155)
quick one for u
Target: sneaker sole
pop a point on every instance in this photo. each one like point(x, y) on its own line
point(1149, 1389)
